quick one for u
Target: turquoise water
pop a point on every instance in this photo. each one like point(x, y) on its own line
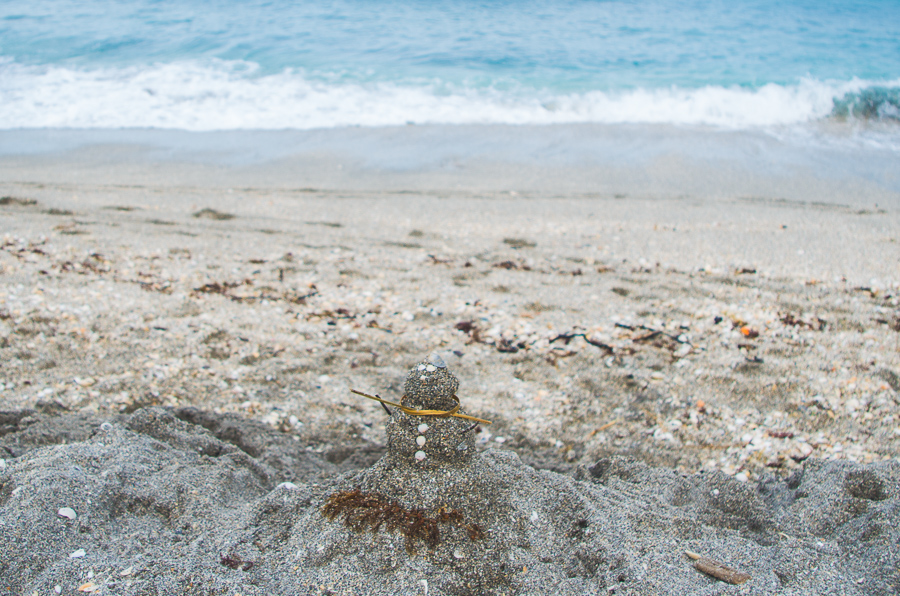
point(760, 87)
point(208, 65)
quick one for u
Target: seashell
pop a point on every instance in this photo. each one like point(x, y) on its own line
point(67, 512)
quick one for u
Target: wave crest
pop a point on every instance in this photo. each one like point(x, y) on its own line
point(232, 95)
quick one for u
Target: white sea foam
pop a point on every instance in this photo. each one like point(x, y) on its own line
point(232, 95)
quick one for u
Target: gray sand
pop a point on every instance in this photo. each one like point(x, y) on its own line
point(166, 506)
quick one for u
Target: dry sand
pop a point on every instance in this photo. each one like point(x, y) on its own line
point(717, 337)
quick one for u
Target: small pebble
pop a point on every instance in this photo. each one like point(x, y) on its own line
point(430, 368)
point(421, 367)
point(420, 441)
point(77, 554)
point(2, 464)
point(420, 455)
point(67, 512)
point(457, 554)
point(423, 427)
point(287, 485)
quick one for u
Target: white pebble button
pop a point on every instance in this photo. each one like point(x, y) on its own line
point(423, 427)
point(420, 455)
point(420, 440)
point(431, 368)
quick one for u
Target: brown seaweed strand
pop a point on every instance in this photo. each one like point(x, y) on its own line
point(370, 512)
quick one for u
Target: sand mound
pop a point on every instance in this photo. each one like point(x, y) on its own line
point(184, 502)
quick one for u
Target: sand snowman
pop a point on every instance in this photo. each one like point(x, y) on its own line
point(434, 511)
point(428, 441)
point(431, 486)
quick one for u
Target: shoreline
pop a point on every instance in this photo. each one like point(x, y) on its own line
point(643, 161)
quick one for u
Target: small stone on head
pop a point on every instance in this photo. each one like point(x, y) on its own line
point(436, 360)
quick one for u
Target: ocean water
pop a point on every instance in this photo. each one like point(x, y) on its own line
point(814, 76)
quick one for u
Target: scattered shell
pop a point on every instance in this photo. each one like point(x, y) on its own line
point(800, 452)
point(430, 368)
point(128, 571)
point(457, 554)
point(88, 587)
point(287, 485)
point(423, 427)
point(420, 455)
point(423, 378)
point(57, 588)
point(420, 441)
point(77, 554)
point(106, 426)
point(2, 464)
point(67, 512)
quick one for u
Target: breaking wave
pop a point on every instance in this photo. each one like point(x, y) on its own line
point(221, 95)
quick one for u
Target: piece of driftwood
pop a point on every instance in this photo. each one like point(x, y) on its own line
point(718, 570)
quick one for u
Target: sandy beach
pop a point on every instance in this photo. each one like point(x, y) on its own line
point(743, 337)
